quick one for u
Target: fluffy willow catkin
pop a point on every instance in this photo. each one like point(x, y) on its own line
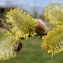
point(24, 24)
point(53, 41)
point(54, 13)
point(6, 46)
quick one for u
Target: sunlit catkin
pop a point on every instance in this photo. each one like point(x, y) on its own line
point(6, 46)
point(53, 42)
point(54, 13)
point(24, 24)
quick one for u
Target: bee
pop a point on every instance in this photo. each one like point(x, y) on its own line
point(17, 46)
point(41, 28)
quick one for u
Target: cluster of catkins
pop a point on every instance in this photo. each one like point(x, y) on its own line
point(23, 26)
point(53, 41)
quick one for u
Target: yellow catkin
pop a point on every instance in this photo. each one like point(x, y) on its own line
point(54, 13)
point(6, 46)
point(24, 24)
point(53, 42)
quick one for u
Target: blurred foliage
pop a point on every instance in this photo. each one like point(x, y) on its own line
point(4, 10)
